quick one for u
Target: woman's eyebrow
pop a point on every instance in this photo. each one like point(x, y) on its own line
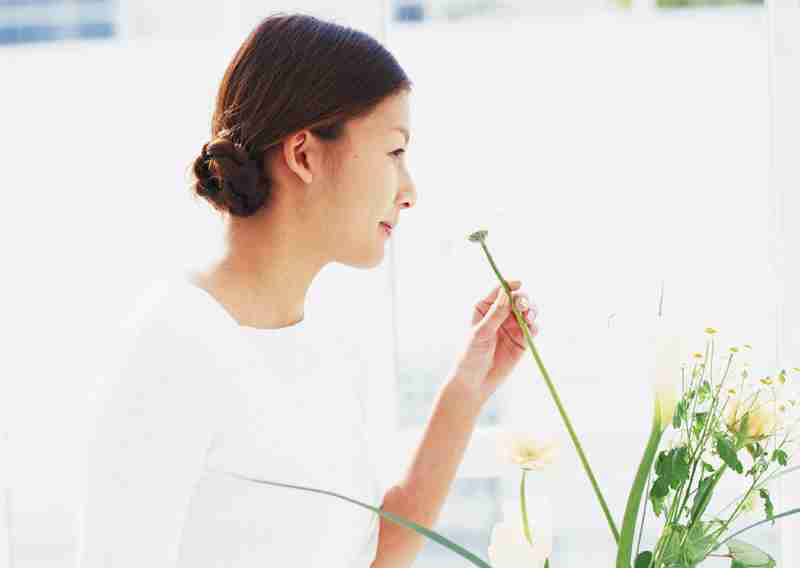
point(404, 131)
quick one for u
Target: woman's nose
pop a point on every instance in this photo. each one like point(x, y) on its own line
point(408, 197)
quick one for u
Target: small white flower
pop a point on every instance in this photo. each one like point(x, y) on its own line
point(509, 548)
point(527, 451)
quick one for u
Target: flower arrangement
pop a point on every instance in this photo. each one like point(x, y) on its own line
point(718, 426)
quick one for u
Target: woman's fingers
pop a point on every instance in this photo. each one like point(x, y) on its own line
point(489, 300)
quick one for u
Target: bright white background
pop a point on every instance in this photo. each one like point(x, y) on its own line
point(603, 150)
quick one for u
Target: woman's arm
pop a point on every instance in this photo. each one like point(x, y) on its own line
point(496, 344)
point(420, 495)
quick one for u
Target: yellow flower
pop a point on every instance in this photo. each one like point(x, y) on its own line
point(526, 451)
point(508, 546)
point(762, 418)
point(697, 355)
point(711, 330)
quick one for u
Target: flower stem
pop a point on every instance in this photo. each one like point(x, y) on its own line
point(525, 524)
point(573, 436)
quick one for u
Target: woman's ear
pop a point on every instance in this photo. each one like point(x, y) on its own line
point(300, 153)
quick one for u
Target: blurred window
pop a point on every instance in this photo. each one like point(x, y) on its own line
point(33, 21)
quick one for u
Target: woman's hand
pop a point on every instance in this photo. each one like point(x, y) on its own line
point(496, 342)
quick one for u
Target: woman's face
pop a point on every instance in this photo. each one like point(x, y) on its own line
point(369, 183)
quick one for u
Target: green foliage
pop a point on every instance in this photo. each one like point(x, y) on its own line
point(699, 423)
point(755, 450)
point(671, 551)
point(684, 482)
point(726, 450)
point(672, 470)
point(699, 542)
point(680, 415)
point(780, 456)
point(643, 560)
point(703, 495)
point(673, 466)
point(769, 508)
point(704, 393)
point(748, 556)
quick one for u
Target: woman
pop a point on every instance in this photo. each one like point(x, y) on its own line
point(225, 377)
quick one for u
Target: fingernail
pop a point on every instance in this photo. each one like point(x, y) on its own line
point(522, 303)
point(503, 300)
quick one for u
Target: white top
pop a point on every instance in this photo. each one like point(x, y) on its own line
point(198, 397)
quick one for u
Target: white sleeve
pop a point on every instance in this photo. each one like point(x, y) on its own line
point(147, 451)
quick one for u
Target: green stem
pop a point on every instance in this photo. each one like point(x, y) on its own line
point(525, 524)
point(761, 522)
point(774, 475)
point(644, 513)
point(635, 496)
point(573, 436)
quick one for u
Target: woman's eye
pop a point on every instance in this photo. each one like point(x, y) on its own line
point(398, 152)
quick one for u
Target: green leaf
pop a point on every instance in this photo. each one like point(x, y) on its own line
point(741, 435)
point(707, 466)
point(397, 519)
point(727, 453)
point(680, 466)
point(624, 548)
point(705, 391)
point(672, 468)
point(643, 560)
point(699, 422)
point(780, 456)
point(699, 541)
point(749, 556)
point(758, 468)
point(702, 496)
point(662, 464)
point(769, 508)
point(755, 450)
point(681, 414)
point(673, 535)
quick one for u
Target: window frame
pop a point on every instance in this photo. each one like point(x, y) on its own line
point(784, 176)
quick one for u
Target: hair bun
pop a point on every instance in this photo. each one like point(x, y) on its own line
point(230, 178)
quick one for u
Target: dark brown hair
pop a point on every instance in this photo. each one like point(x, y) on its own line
point(293, 71)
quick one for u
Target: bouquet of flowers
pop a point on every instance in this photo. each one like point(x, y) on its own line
point(733, 424)
point(705, 426)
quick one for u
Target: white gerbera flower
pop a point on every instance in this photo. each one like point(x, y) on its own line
point(527, 451)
